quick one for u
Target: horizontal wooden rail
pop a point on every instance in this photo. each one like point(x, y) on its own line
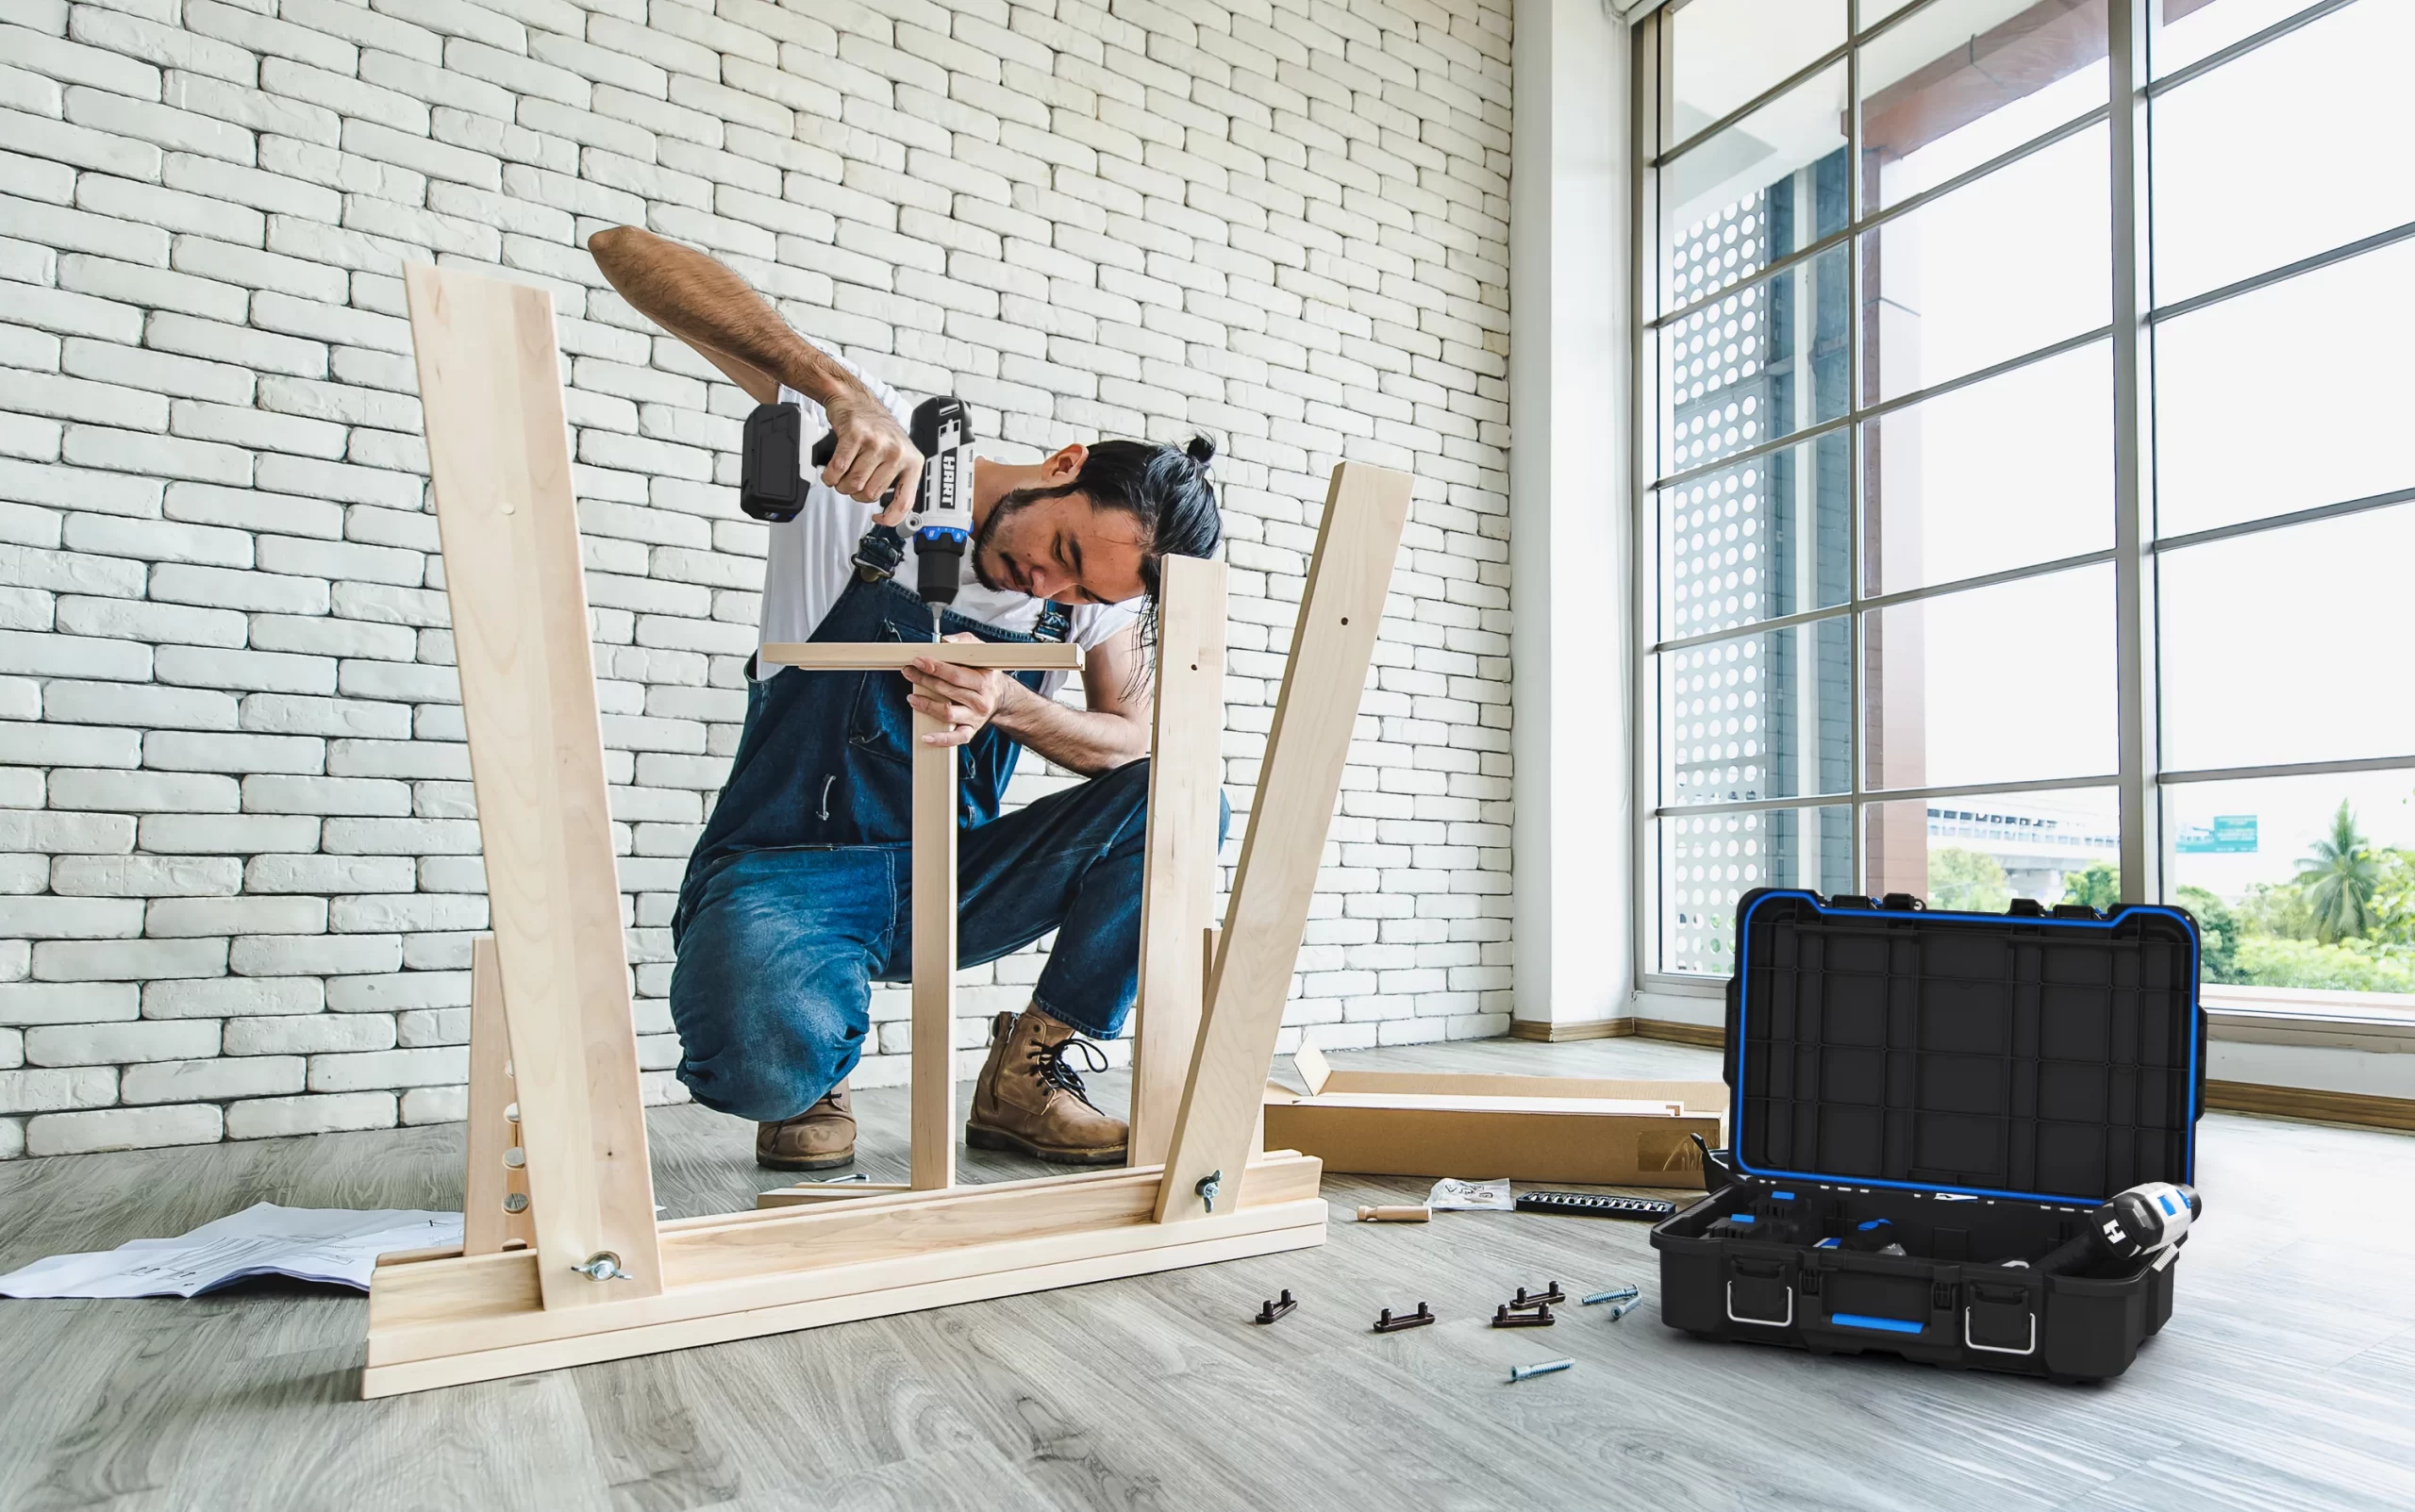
point(887, 655)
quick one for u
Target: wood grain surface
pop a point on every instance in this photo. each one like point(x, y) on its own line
point(1299, 782)
point(881, 655)
point(498, 452)
point(1179, 898)
point(2282, 1382)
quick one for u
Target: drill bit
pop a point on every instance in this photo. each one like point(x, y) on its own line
point(935, 624)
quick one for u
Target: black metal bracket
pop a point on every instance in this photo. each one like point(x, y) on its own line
point(1275, 1308)
point(1539, 1318)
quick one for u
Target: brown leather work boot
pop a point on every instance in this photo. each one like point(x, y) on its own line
point(818, 1138)
point(1029, 1100)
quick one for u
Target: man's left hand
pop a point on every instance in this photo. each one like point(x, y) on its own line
point(966, 698)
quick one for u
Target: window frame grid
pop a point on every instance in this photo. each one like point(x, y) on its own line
point(2139, 779)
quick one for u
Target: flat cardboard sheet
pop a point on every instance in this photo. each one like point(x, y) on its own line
point(1587, 1131)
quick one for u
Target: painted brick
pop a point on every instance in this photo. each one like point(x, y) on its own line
point(122, 1128)
point(270, 1117)
point(216, 559)
point(112, 1043)
point(229, 996)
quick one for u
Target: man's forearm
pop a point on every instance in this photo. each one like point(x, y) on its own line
point(706, 304)
point(1083, 741)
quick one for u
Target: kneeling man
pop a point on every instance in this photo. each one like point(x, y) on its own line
point(796, 899)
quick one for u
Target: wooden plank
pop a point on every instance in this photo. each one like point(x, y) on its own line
point(499, 453)
point(933, 1069)
point(882, 656)
point(827, 1191)
point(2320, 1104)
point(1139, 1248)
point(1332, 644)
point(489, 1181)
point(773, 1258)
point(1178, 887)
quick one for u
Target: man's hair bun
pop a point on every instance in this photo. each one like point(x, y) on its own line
point(1201, 450)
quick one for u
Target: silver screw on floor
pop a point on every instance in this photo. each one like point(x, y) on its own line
point(1521, 1372)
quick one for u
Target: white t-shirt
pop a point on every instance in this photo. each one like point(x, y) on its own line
point(813, 555)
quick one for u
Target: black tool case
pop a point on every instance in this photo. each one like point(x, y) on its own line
point(1980, 1081)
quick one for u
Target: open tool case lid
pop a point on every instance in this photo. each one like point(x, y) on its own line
point(2058, 1057)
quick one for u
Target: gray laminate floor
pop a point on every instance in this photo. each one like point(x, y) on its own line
point(2286, 1380)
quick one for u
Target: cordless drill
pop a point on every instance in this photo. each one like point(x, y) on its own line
point(943, 517)
point(2146, 1220)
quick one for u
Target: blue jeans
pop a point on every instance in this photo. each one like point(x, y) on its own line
point(779, 949)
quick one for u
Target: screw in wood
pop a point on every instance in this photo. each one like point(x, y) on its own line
point(1521, 1372)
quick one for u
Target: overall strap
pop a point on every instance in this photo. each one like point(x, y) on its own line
point(1055, 621)
point(878, 552)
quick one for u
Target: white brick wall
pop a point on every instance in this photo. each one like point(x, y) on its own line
point(239, 874)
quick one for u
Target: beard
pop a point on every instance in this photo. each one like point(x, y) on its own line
point(984, 547)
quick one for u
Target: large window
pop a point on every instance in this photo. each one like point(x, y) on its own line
point(2024, 386)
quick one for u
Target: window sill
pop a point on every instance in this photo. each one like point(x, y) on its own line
point(2292, 1015)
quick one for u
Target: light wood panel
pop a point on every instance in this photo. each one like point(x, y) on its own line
point(882, 656)
point(934, 990)
point(1178, 893)
point(499, 456)
point(827, 1191)
point(983, 1273)
point(492, 1132)
point(476, 1305)
point(1300, 779)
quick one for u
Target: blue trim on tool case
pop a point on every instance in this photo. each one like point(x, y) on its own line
point(1885, 1325)
point(1743, 967)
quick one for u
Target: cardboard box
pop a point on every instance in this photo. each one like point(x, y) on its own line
point(1591, 1131)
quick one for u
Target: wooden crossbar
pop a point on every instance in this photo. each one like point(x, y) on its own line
point(850, 656)
point(555, 974)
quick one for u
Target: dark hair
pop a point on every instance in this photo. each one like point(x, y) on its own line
point(1165, 487)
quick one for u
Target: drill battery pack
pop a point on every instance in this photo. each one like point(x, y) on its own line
point(1922, 1098)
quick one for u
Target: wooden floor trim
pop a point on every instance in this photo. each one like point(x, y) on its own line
point(1561, 1034)
point(1708, 1036)
point(2323, 1107)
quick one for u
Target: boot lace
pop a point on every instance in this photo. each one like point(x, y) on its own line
point(1050, 1062)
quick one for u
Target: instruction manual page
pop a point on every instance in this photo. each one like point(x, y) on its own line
point(335, 1245)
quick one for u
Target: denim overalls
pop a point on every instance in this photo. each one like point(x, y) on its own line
point(796, 899)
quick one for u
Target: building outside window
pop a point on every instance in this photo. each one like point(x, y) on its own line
point(2020, 386)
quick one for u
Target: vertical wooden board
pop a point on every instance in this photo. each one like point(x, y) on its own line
point(1332, 644)
point(935, 904)
point(499, 456)
point(488, 1181)
point(1178, 887)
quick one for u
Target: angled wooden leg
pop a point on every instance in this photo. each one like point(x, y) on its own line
point(498, 447)
point(495, 1188)
point(935, 905)
point(1179, 885)
point(1332, 645)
